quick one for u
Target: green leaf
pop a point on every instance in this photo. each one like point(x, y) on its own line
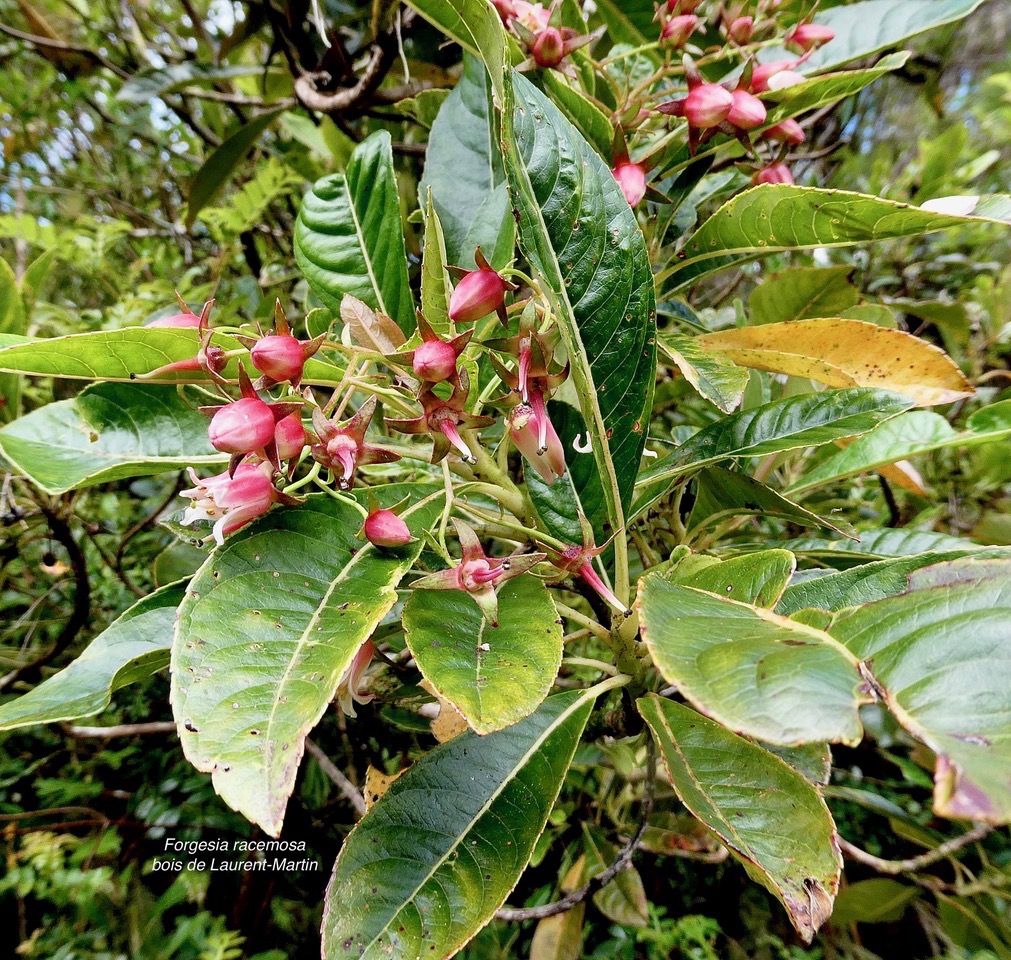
point(878, 900)
point(269, 625)
point(872, 25)
point(721, 494)
point(217, 168)
point(109, 431)
point(803, 421)
point(148, 84)
point(448, 840)
point(940, 652)
point(494, 676)
point(773, 218)
point(750, 669)
point(131, 648)
point(349, 236)
point(580, 234)
point(13, 324)
point(121, 355)
point(585, 115)
point(871, 581)
point(802, 293)
point(717, 379)
point(769, 817)
point(629, 21)
point(463, 171)
point(812, 760)
point(435, 286)
point(874, 544)
point(757, 578)
point(623, 900)
point(915, 432)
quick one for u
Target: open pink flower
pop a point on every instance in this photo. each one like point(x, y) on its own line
point(477, 574)
point(350, 685)
point(230, 502)
point(535, 437)
point(342, 448)
point(578, 559)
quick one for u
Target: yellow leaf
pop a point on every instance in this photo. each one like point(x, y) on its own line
point(561, 937)
point(846, 353)
point(450, 722)
point(376, 784)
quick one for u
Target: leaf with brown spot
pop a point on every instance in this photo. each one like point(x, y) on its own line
point(371, 330)
point(376, 784)
point(770, 818)
point(846, 353)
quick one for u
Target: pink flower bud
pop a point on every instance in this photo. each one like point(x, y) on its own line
point(244, 426)
point(773, 173)
point(383, 528)
point(177, 320)
point(747, 111)
point(786, 131)
point(434, 361)
point(479, 293)
point(289, 437)
point(632, 180)
point(548, 49)
point(677, 30)
point(741, 29)
point(708, 105)
point(279, 356)
point(808, 36)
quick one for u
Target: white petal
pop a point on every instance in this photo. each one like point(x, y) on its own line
point(956, 206)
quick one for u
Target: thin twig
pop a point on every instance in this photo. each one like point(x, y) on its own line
point(49, 44)
point(912, 864)
point(621, 862)
point(342, 783)
point(120, 730)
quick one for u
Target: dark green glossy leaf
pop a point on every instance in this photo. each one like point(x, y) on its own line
point(109, 431)
point(772, 218)
point(769, 817)
point(269, 625)
point(131, 648)
point(717, 379)
point(217, 168)
point(940, 651)
point(918, 431)
point(494, 676)
point(13, 324)
point(435, 286)
point(750, 669)
point(629, 21)
point(349, 236)
point(432, 861)
point(874, 544)
point(871, 581)
point(579, 233)
point(463, 170)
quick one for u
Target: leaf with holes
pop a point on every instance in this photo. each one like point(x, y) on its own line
point(940, 651)
point(769, 816)
point(846, 353)
point(349, 237)
point(131, 648)
point(270, 623)
point(777, 217)
point(494, 676)
point(433, 860)
point(581, 236)
point(109, 431)
point(752, 670)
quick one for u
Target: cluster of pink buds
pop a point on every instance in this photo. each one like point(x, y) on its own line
point(479, 292)
point(342, 449)
point(230, 500)
point(478, 574)
point(578, 560)
point(547, 42)
point(712, 107)
point(530, 427)
point(279, 356)
point(443, 419)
